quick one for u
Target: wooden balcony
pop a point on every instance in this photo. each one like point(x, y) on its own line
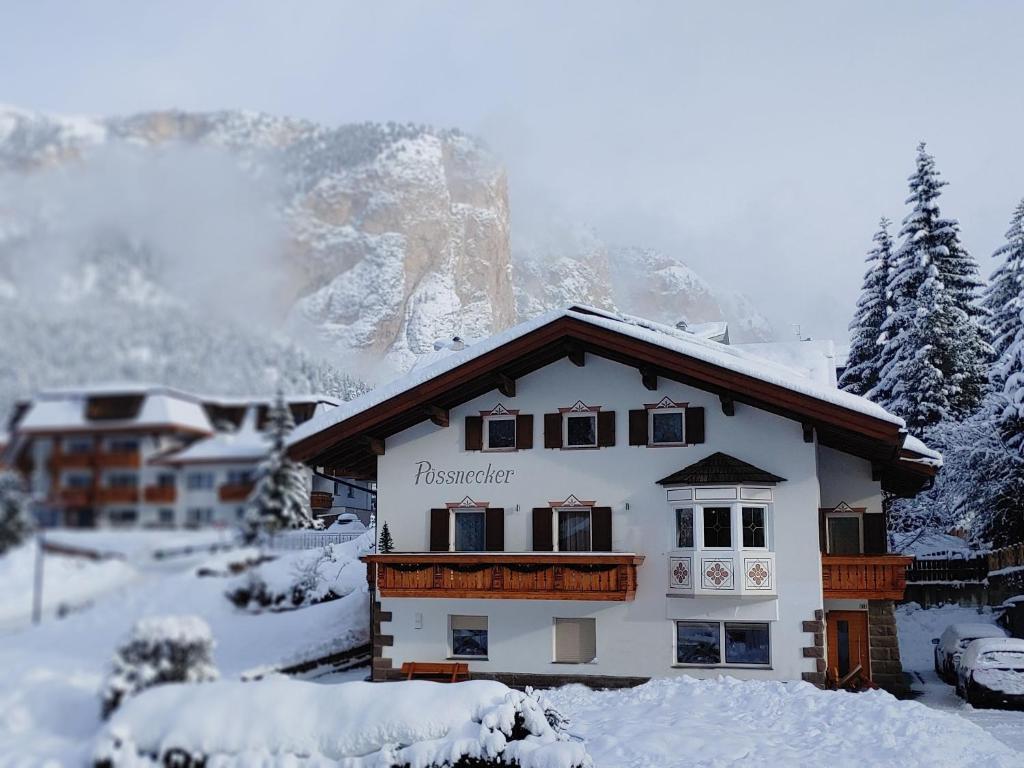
point(234, 491)
point(74, 497)
point(118, 495)
point(160, 494)
point(321, 499)
point(119, 459)
point(59, 461)
point(505, 575)
point(864, 577)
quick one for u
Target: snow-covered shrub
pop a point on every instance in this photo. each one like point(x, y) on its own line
point(15, 516)
point(287, 582)
point(161, 649)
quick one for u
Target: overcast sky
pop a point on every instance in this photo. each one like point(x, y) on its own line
point(760, 141)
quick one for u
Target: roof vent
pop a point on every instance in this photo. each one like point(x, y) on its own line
point(457, 343)
point(682, 325)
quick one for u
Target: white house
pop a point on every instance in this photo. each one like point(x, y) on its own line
point(592, 496)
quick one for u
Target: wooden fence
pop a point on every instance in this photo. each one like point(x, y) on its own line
point(965, 569)
point(293, 540)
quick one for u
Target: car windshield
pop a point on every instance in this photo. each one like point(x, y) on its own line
point(1009, 659)
point(962, 645)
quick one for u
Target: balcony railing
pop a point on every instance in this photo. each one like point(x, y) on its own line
point(74, 497)
point(234, 491)
point(321, 499)
point(119, 459)
point(721, 573)
point(505, 575)
point(160, 494)
point(118, 495)
point(864, 577)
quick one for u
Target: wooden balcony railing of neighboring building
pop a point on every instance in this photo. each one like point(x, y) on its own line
point(864, 577)
point(119, 459)
point(160, 494)
point(74, 497)
point(234, 491)
point(117, 495)
point(321, 499)
point(607, 576)
point(59, 461)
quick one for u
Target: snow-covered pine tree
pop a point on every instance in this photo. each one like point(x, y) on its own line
point(946, 378)
point(387, 544)
point(1004, 295)
point(15, 513)
point(281, 498)
point(864, 363)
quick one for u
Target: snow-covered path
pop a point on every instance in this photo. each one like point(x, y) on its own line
point(917, 627)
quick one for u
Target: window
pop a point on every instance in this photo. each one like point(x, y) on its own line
point(351, 492)
point(165, 516)
point(77, 481)
point(581, 430)
point(718, 527)
point(78, 445)
point(240, 513)
point(844, 534)
point(667, 427)
point(122, 516)
point(574, 530)
point(165, 480)
point(199, 515)
point(470, 531)
point(499, 433)
point(684, 527)
point(122, 445)
point(199, 481)
point(703, 643)
point(575, 641)
point(698, 642)
point(240, 476)
point(122, 480)
point(469, 636)
point(754, 527)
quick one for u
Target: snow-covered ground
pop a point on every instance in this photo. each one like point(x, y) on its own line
point(50, 675)
point(917, 627)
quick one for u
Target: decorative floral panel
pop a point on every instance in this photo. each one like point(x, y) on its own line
point(757, 574)
point(680, 573)
point(717, 574)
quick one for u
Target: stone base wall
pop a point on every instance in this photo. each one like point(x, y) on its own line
point(884, 648)
point(816, 649)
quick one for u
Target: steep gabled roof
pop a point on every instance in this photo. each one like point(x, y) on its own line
point(349, 438)
point(720, 468)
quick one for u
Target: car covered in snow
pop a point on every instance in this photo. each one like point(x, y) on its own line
point(991, 672)
point(954, 641)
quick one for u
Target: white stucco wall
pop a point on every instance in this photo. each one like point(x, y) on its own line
point(846, 478)
point(633, 638)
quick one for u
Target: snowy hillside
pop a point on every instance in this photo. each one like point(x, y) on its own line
point(205, 250)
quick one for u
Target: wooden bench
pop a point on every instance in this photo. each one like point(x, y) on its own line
point(447, 671)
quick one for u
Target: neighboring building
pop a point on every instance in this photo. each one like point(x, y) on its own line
point(148, 456)
point(591, 496)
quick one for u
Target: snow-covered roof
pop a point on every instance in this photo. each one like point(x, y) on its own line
point(246, 444)
point(933, 545)
point(65, 410)
point(674, 339)
point(914, 445)
point(814, 358)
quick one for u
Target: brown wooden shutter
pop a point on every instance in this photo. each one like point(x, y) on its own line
point(638, 427)
point(439, 530)
point(694, 426)
point(605, 428)
point(552, 430)
point(542, 540)
point(874, 534)
point(474, 433)
point(822, 532)
point(601, 529)
point(494, 530)
point(524, 431)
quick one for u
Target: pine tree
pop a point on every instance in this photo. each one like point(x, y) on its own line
point(281, 497)
point(866, 339)
point(387, 544)
point(1004, 296)
point(935, 353)
point(15, 513)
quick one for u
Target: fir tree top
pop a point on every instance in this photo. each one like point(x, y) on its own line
point(1003, 296)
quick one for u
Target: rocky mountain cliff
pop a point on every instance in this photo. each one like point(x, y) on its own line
point(209, 250)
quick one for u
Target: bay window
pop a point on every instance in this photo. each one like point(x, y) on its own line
point(721, 525)
point(753, 519)
point(684, 528)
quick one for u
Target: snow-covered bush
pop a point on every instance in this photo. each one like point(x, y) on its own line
point(15, 515)
point(161, 649)
point(281, 721)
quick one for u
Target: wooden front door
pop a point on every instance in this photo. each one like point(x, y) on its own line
point(847, 641)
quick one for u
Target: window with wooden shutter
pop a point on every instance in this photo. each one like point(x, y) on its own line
point(524, 431)
point(439, 530)
point(694, 426)
point(542, 538)
point(474, 433)
point(601, 529)
point(494, 529)
point(874, 534)
point(575, 641)
point(605, 428)
point(552, 430)
point(638, 427)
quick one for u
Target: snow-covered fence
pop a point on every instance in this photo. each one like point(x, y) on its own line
point(948, 570)
point(293, 540)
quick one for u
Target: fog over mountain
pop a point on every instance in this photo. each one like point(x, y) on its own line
point(211, 250)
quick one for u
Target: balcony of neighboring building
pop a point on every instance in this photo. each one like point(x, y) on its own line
point(320, 500)
point(120, 494)
point(854, 561)
point(234, 492)
point(597, 576)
